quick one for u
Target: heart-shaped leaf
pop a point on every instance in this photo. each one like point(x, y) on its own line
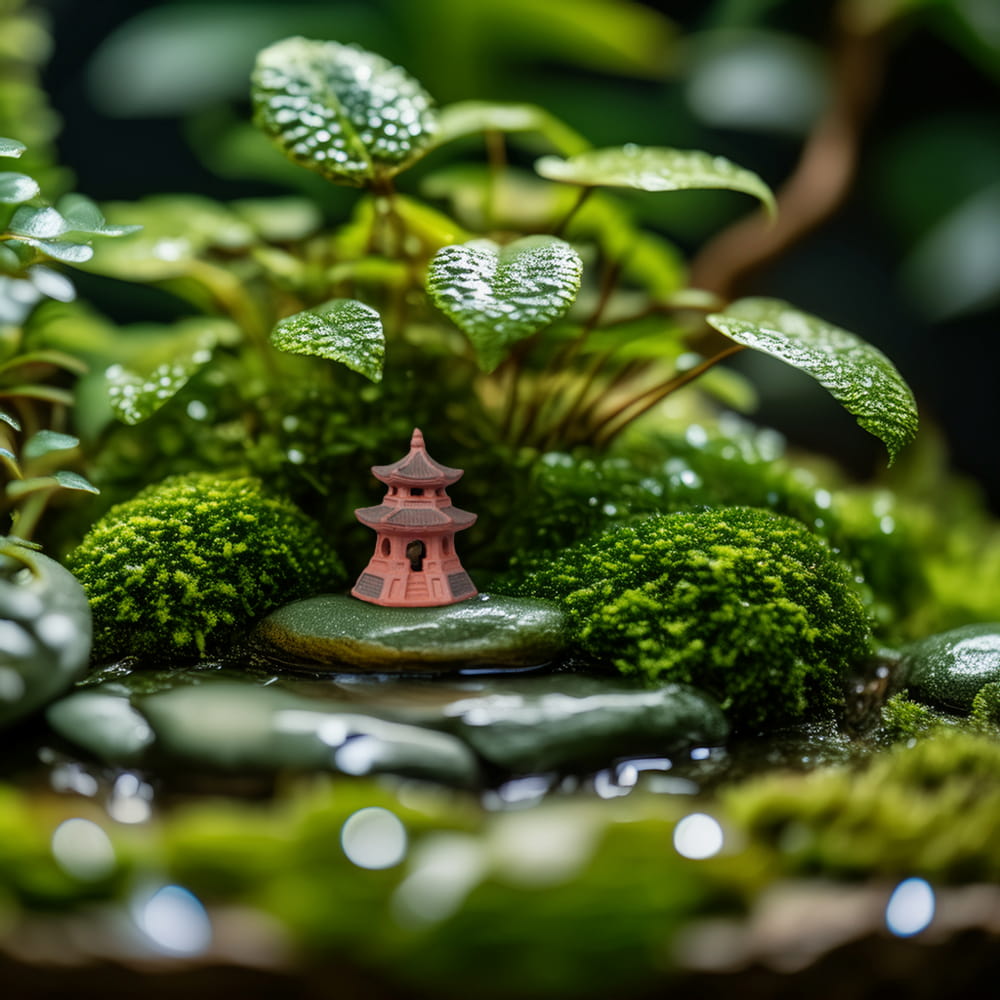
point(860, 377)
point(651, 168)
point(11, 147)
point(343, 330)
point(499, 295)
point(15, 188)
point(337, 109)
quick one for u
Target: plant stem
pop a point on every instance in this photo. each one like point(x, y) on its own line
point(581, 199)
point(615, 422)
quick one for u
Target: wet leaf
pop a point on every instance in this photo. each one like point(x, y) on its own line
point(52, 284)
point(15, 188)
point(498, 295)
point(37, 223)
point(74, 481)
point(174, 231)
point(343, 330)
point(44, 442)
point(10, 420)
point(10, 463)
point(138, 389)
point(859, 376)
point(471, 117)
point(62, 250)
point(81, 215)
point(349, 114)
point(11, 147)
point(649, 168)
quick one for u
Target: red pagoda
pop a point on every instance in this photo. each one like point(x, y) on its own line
point(415, 565)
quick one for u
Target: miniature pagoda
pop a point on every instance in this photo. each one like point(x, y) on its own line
point(415, 564)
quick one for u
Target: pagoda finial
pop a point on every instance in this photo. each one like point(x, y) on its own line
point(417, 441)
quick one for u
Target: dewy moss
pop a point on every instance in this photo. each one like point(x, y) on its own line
point(741, 603)
point(181, 568)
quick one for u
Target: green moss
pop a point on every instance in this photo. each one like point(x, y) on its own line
point(903, 719)
point(741, 603)
point(930, 809)
point(187, 564)
point(986, 705)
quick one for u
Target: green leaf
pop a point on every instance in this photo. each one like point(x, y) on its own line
point(9, 462)
point(170, 356)
point(11, 147)
point(471, 117)
point(15, 188)
point(52, 284)
point(860, 377)
point(44, 442)
point(9, 260)
point(37, 223)
point(10, 420)
point(343, 330)
point(499, 295)
point(649, 168)
point(63, 250)
point(349, 114)
point(175, 231)
point(81, 215)
point(74, 481)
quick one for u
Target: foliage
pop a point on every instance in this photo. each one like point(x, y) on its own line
point(741, 603)
point(904, 720)
point(543, 314)
point(184, 566)
point(33, 235)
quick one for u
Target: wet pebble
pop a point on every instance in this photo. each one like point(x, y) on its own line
point(335, 632)
point(950, 668)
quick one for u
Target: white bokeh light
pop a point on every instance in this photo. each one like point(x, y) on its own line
point(698, 836)
point(175, 920)
point(911, 907)
point(82, 849)
point(374, 838)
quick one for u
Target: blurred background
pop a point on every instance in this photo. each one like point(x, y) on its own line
point(878, 119)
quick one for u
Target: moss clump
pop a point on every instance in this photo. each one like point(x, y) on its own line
point(741, 603)
point(903, 719)
point(930, 809)
point(181, 568)
point(986, 706)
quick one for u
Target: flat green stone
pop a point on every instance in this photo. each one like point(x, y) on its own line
point(336, 632)
point(951, 668)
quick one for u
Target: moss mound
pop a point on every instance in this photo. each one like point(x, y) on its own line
point(181, 568)
point(737, 601)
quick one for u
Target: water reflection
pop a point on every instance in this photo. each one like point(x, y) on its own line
point(83, 850)
point(374, 838)
point(698, 836)
point(174, 920)
point(911, 907)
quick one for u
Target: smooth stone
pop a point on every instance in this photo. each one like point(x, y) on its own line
point(588, 723)
point(45, 631)
point(104, 723)
point(336, 632)
point(213, 721)
point(950, 668)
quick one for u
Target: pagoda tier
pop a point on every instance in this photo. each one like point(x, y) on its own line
point(415, 564)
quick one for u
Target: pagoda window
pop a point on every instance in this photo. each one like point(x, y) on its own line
point(386, 547)
point(415, 552)
point(445, 546)
point(416, 491)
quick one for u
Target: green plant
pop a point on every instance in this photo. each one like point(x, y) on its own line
point(33, 411)
point(543, 314)
point(179, 570)
point(737, 601)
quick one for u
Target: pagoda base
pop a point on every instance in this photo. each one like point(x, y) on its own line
point(414, 589)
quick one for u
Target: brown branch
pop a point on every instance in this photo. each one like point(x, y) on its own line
point(821, 179)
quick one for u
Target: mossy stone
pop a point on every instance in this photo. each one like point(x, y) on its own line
point(335, 632)
point(950, 668)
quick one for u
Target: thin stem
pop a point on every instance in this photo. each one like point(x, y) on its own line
point(581, 199)
point(615, 422)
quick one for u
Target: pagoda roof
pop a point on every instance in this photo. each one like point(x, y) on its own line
point(415, 517)
point(417, 468)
